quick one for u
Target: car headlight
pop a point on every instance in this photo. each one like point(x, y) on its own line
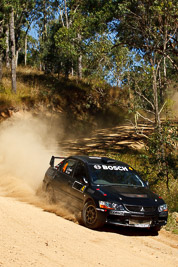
point(162, 208)
point(110, 205)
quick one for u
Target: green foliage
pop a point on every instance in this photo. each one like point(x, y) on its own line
point(161, 154)
point(170, 196)
point(172, 223)
point(149, 28)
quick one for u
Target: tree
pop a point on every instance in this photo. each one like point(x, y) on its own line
point(149, 28)
point(23, 18)
point(2, 40)
point(7, 46)
point(75, 30)
point(45, 11)
point(1, 48)
point(13, 17)
point(13, 56)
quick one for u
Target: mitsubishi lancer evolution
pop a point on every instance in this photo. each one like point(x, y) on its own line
point(105, 191)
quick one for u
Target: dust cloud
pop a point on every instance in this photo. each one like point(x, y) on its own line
point(26, 146)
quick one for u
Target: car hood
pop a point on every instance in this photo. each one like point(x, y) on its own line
point(130, 195)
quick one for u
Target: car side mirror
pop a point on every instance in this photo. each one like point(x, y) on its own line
point(84, 179)
point(147, 183)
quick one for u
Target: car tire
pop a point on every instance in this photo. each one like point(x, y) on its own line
point(90, 216)
point(50, 194)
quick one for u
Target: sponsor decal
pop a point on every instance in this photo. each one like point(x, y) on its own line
point(83, 188)
point(111, 168)
point(64, 168)
point(79, 186)
point(130, 168)
point(68, 170)
point(97, 167)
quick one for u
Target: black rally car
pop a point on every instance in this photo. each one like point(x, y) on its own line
point(105, 191)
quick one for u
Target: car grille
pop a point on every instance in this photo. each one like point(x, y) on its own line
point(140, 208)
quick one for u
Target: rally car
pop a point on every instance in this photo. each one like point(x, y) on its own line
point(105, 191)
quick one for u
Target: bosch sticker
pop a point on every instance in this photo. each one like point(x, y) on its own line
point(97, 167)
point(111, 168)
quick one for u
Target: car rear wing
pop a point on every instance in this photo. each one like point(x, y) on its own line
point(53, 159)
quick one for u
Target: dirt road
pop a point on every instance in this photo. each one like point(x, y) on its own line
point(31, 234)
point(31, 237)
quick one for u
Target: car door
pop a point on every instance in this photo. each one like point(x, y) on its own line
point(79, 183)
point(61, 181)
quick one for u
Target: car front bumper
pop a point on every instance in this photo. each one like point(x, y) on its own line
point(141, 220)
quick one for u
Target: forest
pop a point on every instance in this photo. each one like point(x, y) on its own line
point(99, 54)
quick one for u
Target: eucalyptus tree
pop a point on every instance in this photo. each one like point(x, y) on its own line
point(71, 35)
point(80, 29)
point(149, 27)
point(7, 15)
point(15, 15)
point(24, 16)
point(1, 44)
point(3, 12)
point(13, 49)
point(44, 14)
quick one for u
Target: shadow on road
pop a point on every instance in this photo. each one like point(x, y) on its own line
point(113, 139)
point(128, 231)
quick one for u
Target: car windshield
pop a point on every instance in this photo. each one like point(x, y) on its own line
point(114, 175)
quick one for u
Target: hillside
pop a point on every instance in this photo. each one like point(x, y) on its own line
point(77, 117)
point(82, 104)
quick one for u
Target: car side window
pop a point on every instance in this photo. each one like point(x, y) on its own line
point(68, 166)
point(80, 172)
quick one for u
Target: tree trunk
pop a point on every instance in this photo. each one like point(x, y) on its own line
point(66, 15)
point(1, 50)
point(80, 67)
point(79, 59)
point(44, 33)
point(13, 61)
point(0, 67)
point(25, 50)
point(164, 93)
point(72, 71)
point(17, 57)
point(155, 95)
point(7, 47)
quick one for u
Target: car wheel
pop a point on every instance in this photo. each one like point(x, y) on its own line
point(90, 216)
point(50, 194)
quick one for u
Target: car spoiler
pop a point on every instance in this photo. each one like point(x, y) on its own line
point(53, 159)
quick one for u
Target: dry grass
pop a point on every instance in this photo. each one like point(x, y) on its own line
point(24, 90)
